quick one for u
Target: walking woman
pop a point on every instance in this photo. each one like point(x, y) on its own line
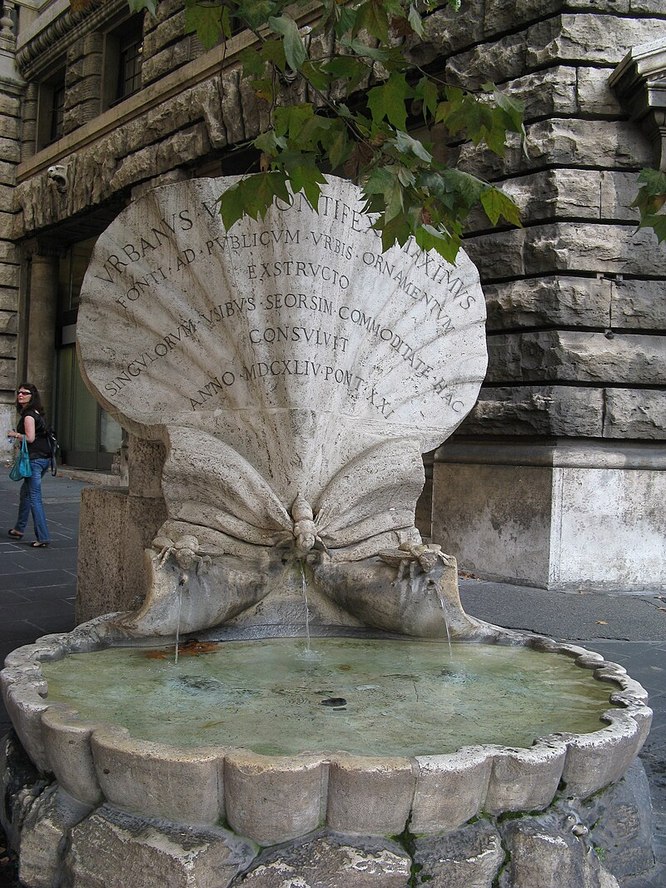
point(32, 427)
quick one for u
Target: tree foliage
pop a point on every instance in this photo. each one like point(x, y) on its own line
point(342, 96)
point(650, 201)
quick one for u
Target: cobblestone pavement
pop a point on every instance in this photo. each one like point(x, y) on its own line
point(39, 588)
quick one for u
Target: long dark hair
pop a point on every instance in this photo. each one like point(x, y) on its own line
point(35, 402)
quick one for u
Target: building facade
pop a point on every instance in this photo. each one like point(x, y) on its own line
point(558, 477)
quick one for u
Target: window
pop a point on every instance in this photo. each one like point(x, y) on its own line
point(129, 65)
point(51, 109)
point(123, 57)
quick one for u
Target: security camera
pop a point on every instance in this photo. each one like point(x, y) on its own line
point(58, 175)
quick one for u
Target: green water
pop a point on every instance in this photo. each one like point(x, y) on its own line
point(370, 697)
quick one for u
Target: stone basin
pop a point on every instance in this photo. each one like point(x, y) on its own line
point(272, 798)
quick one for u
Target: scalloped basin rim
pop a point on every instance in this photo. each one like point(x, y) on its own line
point(357, 794)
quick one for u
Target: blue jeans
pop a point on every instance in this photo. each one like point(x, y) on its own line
point(30, 500)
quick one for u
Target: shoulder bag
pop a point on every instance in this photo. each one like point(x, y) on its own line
point(21, 467)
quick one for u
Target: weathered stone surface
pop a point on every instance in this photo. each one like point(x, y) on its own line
point(595, 97)
point(586, 37)
point(537, 410)
point(115, 850)
point(161, 157)
point(573, 143)
point(559, 300)
point(8, 299)
point(67, 742)
point(446, 32)
point(495, 518)
point(545, 853)
point(10, 128)
point(163, 12)
point(553, 91)
point(273, 801)
point(450, 789)
point(111, 576)
point(498, 62)
point(621, 822)
point(164, 33)
point(569, 247)
point(331, 862)
point(572, 356)
point(146, 459)
point(20, 784)
point(524, 779)
point(635, 413)
point(503, 15)
point(183, 785)
point(369, 796)
point(10, 106)
point(564, 193)
point(86, 90)
point(8, 324)
point(638, 304)
point(44, 834)
point(7, 173)
point(468, 858)
point(165, 61)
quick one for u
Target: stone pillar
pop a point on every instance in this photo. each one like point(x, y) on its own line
point(11, 90)
point(42, 309)
point(552, 480)
point(115, 527)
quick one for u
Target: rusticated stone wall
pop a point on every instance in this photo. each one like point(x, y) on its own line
point(576, 310)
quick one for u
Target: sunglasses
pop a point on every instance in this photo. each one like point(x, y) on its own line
point(24, 393)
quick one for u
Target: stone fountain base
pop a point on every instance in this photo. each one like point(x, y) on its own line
point(600, 842)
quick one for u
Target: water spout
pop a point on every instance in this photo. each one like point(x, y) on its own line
point(304, 584)
point(181, 584)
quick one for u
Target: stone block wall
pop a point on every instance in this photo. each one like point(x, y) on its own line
point(575, 298)
point(166, 46)
point(83, 80)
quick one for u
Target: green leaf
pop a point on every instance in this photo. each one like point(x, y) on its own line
point(139, 5)
point(444, 242)
point(270, 143)
point(308, 179)
point(652, 193)
point(377, 54)
point(656, 221)
point(497, 204)
point(415, 20)
point(205, 20)
point(340, 148)
point(428, 93)
point(256, 13)
point(406, 144)
point(372, 17)
point(294, 48)
point(232, 206)
point(347, 68)
point(389, 101)
point(253, 196)
point(253, 64)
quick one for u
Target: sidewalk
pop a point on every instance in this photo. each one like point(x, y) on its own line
point(38, 589)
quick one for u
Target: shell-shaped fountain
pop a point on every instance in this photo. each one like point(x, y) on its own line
point(295, 373)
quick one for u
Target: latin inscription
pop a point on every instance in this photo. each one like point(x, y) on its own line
point(300, 317)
